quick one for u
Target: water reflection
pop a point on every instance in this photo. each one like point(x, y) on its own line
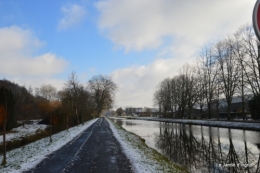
point(201, 148)
point(206, 153)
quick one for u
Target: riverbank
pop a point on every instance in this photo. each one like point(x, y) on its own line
point(247, 125)
point(143, 158)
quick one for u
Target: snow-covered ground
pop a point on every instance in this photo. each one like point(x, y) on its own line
point(23, 131)
point(29, 156)
point(143, 158)
point(228, 124)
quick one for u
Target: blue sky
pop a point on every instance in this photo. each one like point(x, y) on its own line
point(81, 43)
point(138, 43)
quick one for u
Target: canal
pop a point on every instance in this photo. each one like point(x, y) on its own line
point(200, 148)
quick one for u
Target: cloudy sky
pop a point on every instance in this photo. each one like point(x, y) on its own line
point(137, 42)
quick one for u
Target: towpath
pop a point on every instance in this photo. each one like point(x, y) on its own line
point(95, 150)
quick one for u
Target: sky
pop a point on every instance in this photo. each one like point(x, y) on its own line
point(136, 42)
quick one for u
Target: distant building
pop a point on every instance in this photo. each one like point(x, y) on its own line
point(140, 111)
point(236, 107)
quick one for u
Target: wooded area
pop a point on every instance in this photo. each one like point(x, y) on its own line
point(74, 104)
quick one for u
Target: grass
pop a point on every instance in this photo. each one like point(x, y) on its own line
point(8, 132)
point(152, 158)
point(18, 142)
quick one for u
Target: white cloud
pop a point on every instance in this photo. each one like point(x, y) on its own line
point(37, 82)
point(138, 25)
point(15, 39)
point(177, 29)
point(138, 83)
point(17, 46)
point(73, 15)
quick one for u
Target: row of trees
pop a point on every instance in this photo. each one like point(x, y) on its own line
point(83, 103)
point(228, 68)
point(74, 101)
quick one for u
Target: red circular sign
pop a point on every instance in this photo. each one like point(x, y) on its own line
point(256, 19)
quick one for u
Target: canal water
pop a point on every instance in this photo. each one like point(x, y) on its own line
point(200, 148)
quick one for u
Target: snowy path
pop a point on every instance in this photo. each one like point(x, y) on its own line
point(27, 157)
point(96, 150)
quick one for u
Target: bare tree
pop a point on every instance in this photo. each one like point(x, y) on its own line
point(65, 99)
point(48, 92)
point(252, 61)
point(239, 51)
point(157, 100)
point(208, 62)
point(182, 94)
point(228, 72)
point(174, 99)
point(119, 111)
point(72, 87)
point(164, 95)
point(190, 86)
point(102, 89)
point(201, 88)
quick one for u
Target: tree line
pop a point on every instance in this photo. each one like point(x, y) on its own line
point(222, 71)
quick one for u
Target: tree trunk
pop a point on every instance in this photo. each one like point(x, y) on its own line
point(228, 110)
point(67, 122)
point(51, 128)
point(217, 107)
point(4, 130)
point(77, 117)
point(4, 143)
point(190, 108)
point(209, 110)
point(182, 112)
point(201, 111)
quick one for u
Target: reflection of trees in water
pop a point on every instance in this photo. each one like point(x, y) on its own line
point(232, 156)
point(179, 144)
point(130, 123)
point(119, 122)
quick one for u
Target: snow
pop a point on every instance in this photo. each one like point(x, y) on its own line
point(247, 125)
point(23, 131)
point(29, 156)
point(143, 158)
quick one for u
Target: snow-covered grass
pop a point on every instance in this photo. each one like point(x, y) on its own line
point(23, 131)
point(29, 156)
point(143, 158)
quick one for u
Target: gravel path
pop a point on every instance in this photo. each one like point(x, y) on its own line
point(96, 150)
